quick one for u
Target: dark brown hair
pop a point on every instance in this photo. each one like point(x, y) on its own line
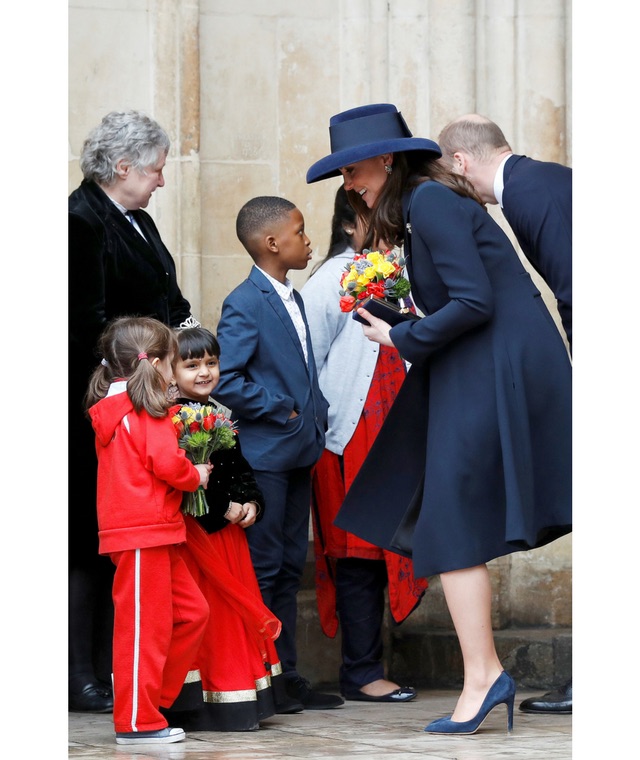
point(385, 222)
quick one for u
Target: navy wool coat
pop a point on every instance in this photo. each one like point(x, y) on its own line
point(474, 459)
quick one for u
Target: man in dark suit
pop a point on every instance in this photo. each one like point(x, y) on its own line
point(118, 265)
point(535, 197)
point(268, 378)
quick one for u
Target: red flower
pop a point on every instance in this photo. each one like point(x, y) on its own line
point(207, 422)
point(374, 289)
point(347, 303)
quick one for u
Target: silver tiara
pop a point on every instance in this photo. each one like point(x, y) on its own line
point(190, 321)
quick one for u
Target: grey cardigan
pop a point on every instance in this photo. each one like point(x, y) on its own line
point(345, 359)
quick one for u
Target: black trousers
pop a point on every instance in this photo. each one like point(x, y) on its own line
point(360, 603)
point(278, 546)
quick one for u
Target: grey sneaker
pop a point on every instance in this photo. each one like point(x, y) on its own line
point(161, 736)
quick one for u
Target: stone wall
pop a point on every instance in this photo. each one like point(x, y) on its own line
point(246, 90)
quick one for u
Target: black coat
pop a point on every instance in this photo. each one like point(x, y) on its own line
point(113, 272)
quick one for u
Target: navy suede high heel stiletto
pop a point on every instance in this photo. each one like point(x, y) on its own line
point(503, 691)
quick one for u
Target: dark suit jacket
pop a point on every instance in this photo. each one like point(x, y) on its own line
point(113, 272)
point(263, 377)
point(537, 204)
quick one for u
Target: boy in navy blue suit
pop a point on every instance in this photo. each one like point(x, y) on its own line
point(268, 379)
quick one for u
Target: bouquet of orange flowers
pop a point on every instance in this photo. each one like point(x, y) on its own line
point(201, 430)
point(373, 273)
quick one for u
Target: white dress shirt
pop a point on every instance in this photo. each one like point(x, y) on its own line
point(285, 291)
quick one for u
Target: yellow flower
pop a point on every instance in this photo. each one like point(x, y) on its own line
point(188, 414)
point(386, 268)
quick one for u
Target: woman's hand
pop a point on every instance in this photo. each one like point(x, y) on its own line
point(377, 330)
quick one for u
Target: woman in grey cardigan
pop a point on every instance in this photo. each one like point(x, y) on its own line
point(360, 379)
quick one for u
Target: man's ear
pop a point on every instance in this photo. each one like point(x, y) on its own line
point(460, 163)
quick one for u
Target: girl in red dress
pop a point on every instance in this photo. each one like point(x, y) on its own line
point(237, 667)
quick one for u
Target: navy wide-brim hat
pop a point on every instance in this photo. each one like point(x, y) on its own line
point(365, 132)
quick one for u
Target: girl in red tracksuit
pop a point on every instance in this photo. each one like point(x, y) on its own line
point(160, 613)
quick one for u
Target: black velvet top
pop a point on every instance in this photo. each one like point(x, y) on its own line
point(231, 480)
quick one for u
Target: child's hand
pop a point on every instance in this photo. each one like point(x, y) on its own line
point(243, 515)
point(204, 470)
point(250, 513)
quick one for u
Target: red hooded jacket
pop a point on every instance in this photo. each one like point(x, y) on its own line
point(142, 473)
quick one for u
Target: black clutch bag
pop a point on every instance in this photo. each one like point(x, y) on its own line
point(383, 309)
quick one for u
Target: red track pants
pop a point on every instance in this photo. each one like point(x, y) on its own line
point(160, 619)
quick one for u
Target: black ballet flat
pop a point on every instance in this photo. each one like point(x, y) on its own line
point(403, 694)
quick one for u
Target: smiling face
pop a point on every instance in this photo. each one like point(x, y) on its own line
point(367, 178)
point(196, 378)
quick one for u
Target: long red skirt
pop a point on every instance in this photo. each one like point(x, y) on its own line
point(332, 480)
point(237, 661)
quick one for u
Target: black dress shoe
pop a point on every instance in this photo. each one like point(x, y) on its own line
point(289, 706)
point(559, 701)
point(403, 694)
point(300, 689)
point(93, 698)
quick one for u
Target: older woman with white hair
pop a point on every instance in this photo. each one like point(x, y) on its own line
point(118, 265)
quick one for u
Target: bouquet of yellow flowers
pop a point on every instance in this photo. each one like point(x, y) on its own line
point(201, 430)
point(373, 273)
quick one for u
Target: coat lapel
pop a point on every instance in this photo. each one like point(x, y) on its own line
point(279, 308)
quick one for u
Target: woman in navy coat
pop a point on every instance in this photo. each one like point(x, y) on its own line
point(474, 459)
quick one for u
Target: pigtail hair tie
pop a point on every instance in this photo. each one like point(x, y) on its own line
point(104, 362)
point(142, 355)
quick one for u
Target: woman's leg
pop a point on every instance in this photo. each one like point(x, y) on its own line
point(468, 596)
point(360, 585)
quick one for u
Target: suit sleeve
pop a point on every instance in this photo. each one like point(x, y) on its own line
point(444, 227)
point(245, 351)
point(179, 307)
point(87, 317)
